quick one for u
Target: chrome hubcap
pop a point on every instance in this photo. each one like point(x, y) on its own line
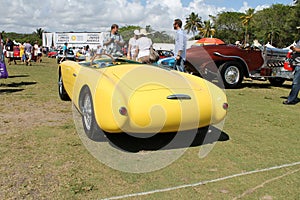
point(232, 75)
point(87, 112)
point(60, 85)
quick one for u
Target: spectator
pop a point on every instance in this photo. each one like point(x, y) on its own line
point(39, 54)
point(132, 45)
point(28, 52)
point(9, 47)
point(22, 53)
point(180, 45)
point(113, 42)
point(1, 48)
point(65, 51)
point(143, 45)
point(293, 96)
point(88, 52)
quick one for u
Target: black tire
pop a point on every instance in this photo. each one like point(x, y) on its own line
point(232, 74)
point(86, 107)
point(277, 81)
point(61, 89)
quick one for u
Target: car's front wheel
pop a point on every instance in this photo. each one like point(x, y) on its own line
point(86, 106)
point(61, 89)
point(232, 74)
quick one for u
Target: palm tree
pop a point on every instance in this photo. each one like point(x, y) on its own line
point(40, 32)
point(246, 21)
point(207, 30)
point(272, 34)
point(193, 23)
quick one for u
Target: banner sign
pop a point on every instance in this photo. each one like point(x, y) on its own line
point(82, 38)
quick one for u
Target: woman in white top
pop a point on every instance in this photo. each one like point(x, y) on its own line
point(143, 47)
point(132, 45)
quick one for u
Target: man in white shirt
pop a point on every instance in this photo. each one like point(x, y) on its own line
point(113, 42)
point(180, 45)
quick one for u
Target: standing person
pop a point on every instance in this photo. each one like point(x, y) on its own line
point(22, 53)
point(143, 45)
point(40, 54)
point(35, 51)
point(132, 45)
point(9, 46)
point(65, 49)
point(28, 52)
point(293, 96)
point(180, 45)
point(1, 48)
point(88, 53)
point(113, 42)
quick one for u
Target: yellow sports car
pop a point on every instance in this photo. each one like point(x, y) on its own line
point(123, 96)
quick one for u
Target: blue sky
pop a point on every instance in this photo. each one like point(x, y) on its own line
point(84, 15)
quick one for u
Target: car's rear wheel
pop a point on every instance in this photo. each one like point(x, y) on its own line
point(86, 106)
point(232, 74)
point(61, 89)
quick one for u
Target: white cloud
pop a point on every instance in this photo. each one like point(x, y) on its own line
point(24, 16)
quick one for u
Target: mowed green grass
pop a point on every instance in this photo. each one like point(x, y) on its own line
point(42, 156)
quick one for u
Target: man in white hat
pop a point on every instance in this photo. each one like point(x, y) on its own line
point(132, 45)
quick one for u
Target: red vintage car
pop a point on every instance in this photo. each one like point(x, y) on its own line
point(230, 64)
point(164, 53)
point(17, 53)
point(52, 53)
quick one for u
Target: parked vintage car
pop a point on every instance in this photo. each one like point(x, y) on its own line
point(168, 62)
point(120, 95)
point(52, 53)
point(164, 53)
point(79, 56)
point(17, 53)
point(234, 63)
point(70, 56)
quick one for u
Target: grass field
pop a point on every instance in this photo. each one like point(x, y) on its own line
point(43, 157)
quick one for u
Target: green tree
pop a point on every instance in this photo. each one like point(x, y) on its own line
point(275, 21)
point(272, 34)
point(156, 36)
point(192, 23)
point(228, 26)
point(207, 30)
point(127, 31)
point(40, 32)
point(293, 23)
point(246, 19)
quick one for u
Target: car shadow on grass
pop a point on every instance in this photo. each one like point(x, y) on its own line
point(19, 76)
point(261, 85)
point(7, 88)
point(9, 91)
point(19, 84)
point(166, 141)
